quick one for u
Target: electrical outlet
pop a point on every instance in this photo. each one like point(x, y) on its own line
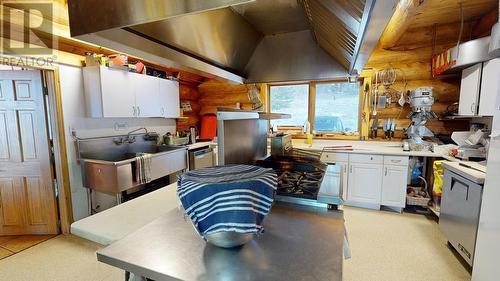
point(120, 126)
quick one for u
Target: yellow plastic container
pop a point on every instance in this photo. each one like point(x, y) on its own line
point(438, 171)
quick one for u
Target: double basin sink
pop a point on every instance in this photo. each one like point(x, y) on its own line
point(112, 169)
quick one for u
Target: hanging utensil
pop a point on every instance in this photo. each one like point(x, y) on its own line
point(402, 99)
point(393, 127)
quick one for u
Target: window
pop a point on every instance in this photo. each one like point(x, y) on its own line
point(291, 99)
point(336, 107)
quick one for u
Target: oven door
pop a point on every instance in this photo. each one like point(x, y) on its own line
point(330, 191)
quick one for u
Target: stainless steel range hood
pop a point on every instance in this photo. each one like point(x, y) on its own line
point(468, 53)
point(239, 40)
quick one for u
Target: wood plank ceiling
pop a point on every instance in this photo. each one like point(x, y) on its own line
point(417, 30)
point(448, 11)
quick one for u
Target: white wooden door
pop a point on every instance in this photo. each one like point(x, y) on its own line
point(490, 87)
point(147, 98)
point(27, 196)
point(169, 95)
point(394, 186)
point(365, 183)
point(469, 90)
point(118, 96)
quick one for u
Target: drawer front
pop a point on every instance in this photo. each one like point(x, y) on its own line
point(334, 157)
point(396, 160)
point(366, 158)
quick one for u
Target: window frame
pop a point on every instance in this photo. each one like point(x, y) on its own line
point(312, 101)
point(290, 84)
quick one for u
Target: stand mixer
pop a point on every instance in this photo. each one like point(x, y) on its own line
point(421, 101)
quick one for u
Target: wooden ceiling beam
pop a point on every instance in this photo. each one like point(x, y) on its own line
point(401, 20)
point(483, 27)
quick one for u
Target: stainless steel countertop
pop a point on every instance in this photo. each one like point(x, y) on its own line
point(299, 243)
point(471, 174)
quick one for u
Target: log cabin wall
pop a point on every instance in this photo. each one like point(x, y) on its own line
point(189, 94)
point(418, 30)
point(215, 94)
point(412, 55)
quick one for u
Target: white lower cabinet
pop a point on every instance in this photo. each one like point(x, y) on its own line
point(371, 180)
point(394, 186)
point(365, 183)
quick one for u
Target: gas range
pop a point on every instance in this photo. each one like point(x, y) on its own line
point(305, 180)
point(303, 184)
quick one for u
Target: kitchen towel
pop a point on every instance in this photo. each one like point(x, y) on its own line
point(227, 198)
point(143, 168)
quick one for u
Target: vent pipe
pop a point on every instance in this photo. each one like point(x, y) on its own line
point(494, 49)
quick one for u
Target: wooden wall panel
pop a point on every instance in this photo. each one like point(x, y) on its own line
point(215, 94)
point(189, 93)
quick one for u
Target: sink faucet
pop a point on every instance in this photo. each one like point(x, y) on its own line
point(129, 138)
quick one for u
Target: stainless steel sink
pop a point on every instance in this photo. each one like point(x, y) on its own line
point(111, 168)
point(126, 152)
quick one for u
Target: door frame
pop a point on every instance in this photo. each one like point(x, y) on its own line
point(50, 75)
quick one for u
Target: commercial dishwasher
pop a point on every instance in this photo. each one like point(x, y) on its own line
point(201, 158)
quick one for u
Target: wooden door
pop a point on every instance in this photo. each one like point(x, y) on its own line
point(365, 183)
point(394, 186)
point(147, 97)
point(27, 197)
point(169, 95)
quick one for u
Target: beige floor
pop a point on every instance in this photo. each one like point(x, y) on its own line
point(385, 246)
point(392, 246)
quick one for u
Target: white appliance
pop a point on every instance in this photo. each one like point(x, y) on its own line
point(487, 253)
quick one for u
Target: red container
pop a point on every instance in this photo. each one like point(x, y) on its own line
point(208, 127)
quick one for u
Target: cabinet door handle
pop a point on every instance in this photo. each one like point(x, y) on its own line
point(138, 111)
point(386, 171)
point(473, 108)
point(133, 109)
point(454, 181)
point(162, 111)
point(350, 169)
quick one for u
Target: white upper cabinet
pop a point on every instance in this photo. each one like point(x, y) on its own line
point(469, 90)
point(490, 87)
point(169, 97)
point(147, 98)
point(117, 93)
point(119, 100)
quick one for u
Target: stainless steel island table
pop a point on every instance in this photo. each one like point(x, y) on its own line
point(299, 243)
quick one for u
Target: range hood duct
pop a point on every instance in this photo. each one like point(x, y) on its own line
point(494, 48)
point(468, 54)
point(239, 40)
